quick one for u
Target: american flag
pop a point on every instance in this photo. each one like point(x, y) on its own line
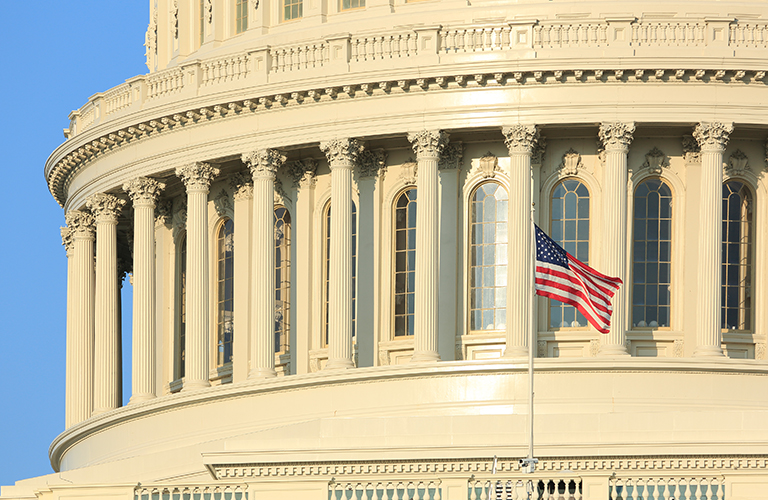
point(561, 277)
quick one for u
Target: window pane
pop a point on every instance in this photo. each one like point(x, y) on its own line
point(737, 237)
point(405, 263)
point(225, 287)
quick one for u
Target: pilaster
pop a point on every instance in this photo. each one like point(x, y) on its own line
point(242, 187)
point(66, 240)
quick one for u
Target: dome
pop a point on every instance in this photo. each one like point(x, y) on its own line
point(381, 349)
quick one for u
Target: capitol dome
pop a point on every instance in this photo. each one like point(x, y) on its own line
point(380, 350)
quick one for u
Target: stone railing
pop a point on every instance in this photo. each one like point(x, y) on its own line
point(665, 488)
point(197, 492)
point(413, 49)
point(524, 488)
point(385, 490)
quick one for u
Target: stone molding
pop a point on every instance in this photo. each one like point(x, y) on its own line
point(197, 176)
point(521, 139)
point(263, 163)
point(616, 135)
point(105, 207)
point(91, 149)
point(712, 136)
point(143, 190)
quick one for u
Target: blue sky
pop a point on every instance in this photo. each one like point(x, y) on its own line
point(57, 55)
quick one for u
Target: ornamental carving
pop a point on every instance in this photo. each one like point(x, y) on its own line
point(539, 151)
point(655, 161)
point(738, 162)
point(105, 207)
point(616, 135)
point(594, 348)
point(521, 139)
point(208, 11)
point(80, 223)
point(175, 19)
point(678, 348)
point(66, 239)
point(428, 143)
point(164, 212)
point(254, 4)
point(691, 149)
point(150, 42)
point(541, 348)
point(264, 163)
point(372, 162)
point(452, 155)
point(409, 172)
point(488, 165)
point(571, 162)
point(143, 190)
point(222, 204)
point(242, 186)
point(197, 176)
point(341, 152)
point(181, 213)
point(303, 172)
point(760, 350)
point(279, 195)
point(712, 136)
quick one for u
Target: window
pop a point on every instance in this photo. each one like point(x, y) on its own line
point(737, 257)
point(327, 269)
point(651, 255)
point(488, 258)
point(241, 15)
point(181, 350)
point(282, 277)
point(352, 4)
point(405, 262)
point(292, 9)
point(225, 291)
point(570, 229)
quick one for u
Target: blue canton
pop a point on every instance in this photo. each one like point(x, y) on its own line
point(548, 251)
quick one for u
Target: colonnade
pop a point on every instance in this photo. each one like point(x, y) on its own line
point(93, 331)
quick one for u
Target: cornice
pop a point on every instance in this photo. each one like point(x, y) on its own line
point(88, 146)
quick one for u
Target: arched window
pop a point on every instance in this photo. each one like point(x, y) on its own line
point(327, 269)
point(241, 15)
point(570, 229)
point(225, 291)
point(182, 318)
point(488, 258)
point(405, 262)
point(282, 278)
point(652, 255)
point(737, 256)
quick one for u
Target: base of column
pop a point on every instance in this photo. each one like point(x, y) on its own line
point(339, 364)
point(708, 351)
point(99, 411)
point(612, 350)
point(425, 357)
point(259, 373)
point(195, 385)
point(515, 353)
point(138, 398)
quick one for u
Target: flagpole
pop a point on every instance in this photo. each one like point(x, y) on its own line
point(528, 465)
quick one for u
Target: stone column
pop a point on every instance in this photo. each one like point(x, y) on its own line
point(144, 193)
point(520, 140)
point(263, 165)
point(197, 179)
point(82, 322)
point(616, 138)
point(66, 240)
point(712, 138)
point(342, 157)
point(107, 362)
point(427, 145)
point(242, 188)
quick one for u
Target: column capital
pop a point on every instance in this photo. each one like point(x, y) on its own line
point(105, 207)
point(80, 224)
point(263, 163)
point(521, 139)
point(428, 143)
point(712, 136)
point(66, 239)
point(197, 176)
point(143, 190)
point(341, 152)
point(303, 172)
point(616, 135)
point(242, 186)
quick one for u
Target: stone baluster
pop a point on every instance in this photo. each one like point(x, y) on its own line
point(712, 138)
point(82, 323)
point(66, 240)
point(428, 145)
point(342, 157)
point(520, 140)
point(616, 138)
point(107, 367)
point(197, 178)
point(263, 165)
point(144, 193)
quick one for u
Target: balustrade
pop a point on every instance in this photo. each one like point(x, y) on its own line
point(681, 488)
point(231, 492)
point(362, 490)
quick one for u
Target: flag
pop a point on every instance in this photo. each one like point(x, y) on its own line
point(561, 277)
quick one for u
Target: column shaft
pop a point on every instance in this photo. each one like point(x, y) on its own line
point(242, 185)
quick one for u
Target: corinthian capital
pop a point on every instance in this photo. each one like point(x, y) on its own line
point(143, 190)
point(80, 223)
point(428, 142)
point(242, 186)
point(341, 152)
point(104, 207)
point(264, 162)
point(197, 176)
point(521, 139)
point(66, 239)
point(713, 136)
point(616, 135)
